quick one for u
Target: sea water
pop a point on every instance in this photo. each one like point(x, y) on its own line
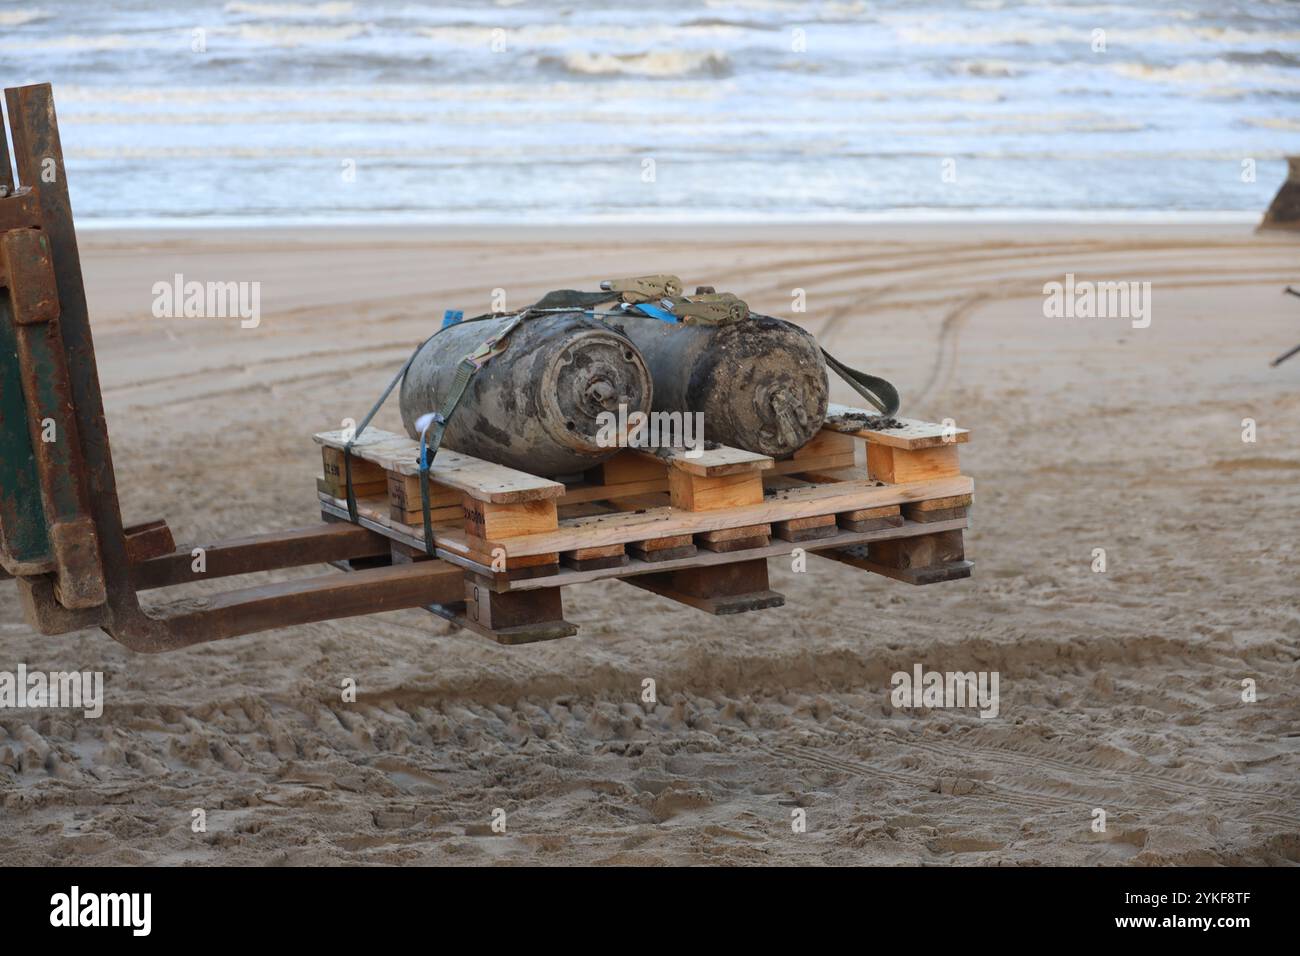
point(544, 111)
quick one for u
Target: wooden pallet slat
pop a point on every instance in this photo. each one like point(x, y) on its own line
point(911, 435)
point(477, 478)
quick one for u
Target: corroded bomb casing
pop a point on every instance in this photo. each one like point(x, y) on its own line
point(760, 383)
point(535, 406)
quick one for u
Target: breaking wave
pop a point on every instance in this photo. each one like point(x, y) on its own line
point(660, 63)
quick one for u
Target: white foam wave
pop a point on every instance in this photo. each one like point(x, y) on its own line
point(538, 35)
point(662, 63)
point(328, 10)
point(293, 36)
point(1208, 72)
point(16, 18)
point(931, 31)
point(77, 42)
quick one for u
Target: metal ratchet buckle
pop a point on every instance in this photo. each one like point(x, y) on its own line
point(643, 288)
point(488, 350)
point(711, 308)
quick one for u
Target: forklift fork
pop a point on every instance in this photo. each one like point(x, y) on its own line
point(61, 533)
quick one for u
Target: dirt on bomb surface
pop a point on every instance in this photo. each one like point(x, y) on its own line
point(1119, 690)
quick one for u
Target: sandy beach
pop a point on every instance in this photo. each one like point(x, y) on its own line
point(1120, 690)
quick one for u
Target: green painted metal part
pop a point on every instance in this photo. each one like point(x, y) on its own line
point(23, 530)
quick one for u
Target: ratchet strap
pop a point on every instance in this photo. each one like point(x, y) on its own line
point(435, 423)
point(874, 389)
point(659, 297)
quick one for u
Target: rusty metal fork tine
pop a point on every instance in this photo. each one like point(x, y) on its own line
point(37, 150)
point(6, 166)
point(25, 163)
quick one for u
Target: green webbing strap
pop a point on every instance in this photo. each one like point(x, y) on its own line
point(465, 371)
point(875, 390)
point(572, 298)
point(347, 448)
point(438, 423)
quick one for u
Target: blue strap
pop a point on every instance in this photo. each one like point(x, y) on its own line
point(663, 315)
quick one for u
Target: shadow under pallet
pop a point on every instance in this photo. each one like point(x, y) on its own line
point(696, 528)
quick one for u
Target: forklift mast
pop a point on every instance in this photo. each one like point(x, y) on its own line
point(62, 537)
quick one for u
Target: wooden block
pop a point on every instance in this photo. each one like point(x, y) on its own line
point(363, 472)
point(404, 493)
point(827, 443)
point(584, 493)
point(628, 466)
point(937, 514)
point(737, 544)
point(812, 466)
point(871, 519)
point(506, 610)
point(857, 556)
point(593, 559)
point(663, 549)
point(415, 519)
point(806, 529)
point(735, 539)
point(689, 492)
point(942, 504)
point(896, 466)
point(732, 534)
point(406, 554)
point(495, 522)
point(866, 514)
point(523, 634)
point(477, 552)
point(368, 490)
point(718, 589)
point(710, 463)
point(922, 551)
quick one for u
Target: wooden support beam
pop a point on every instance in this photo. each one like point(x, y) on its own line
point(718, 589)
point(923, 559)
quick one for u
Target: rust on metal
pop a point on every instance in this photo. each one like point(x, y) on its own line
point(320, 544)
point(61, 530)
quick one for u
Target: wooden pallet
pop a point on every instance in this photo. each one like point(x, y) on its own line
point(695, 527)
